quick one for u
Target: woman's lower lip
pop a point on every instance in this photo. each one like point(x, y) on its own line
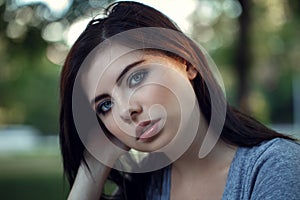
point(149, 133)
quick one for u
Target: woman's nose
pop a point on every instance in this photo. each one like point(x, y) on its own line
point(127, 105)
point(130, 112)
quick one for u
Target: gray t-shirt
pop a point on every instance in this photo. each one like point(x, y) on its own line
point(268, 171)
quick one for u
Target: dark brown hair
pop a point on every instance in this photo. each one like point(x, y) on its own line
point(239, 129)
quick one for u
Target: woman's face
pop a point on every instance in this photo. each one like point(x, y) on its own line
point(138, 96)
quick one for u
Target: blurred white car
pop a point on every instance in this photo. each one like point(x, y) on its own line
point(18, 138)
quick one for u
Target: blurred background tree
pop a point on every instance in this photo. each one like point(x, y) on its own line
point(256, 47)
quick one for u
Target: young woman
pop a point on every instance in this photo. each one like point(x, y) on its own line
point(133, 80)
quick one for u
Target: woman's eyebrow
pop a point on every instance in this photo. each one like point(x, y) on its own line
point(127, 68)
point(98, 98)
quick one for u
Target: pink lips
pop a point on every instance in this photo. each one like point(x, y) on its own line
point(147, 129)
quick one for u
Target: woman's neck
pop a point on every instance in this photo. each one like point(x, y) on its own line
point(192, 177)
point(219, 158)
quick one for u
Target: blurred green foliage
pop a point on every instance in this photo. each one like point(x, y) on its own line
point(28, 81)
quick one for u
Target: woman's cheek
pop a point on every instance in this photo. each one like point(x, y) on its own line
point(111, 125)
point(154, 93)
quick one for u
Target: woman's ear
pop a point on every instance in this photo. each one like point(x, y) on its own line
point(191, 72)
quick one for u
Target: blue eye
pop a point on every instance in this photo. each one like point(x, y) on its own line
point(136, 78)
point(104, 106)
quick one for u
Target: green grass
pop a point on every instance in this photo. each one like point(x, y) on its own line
point(33, 176)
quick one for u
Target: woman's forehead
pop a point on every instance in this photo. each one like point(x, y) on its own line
point(106, 64)
point(103, 65)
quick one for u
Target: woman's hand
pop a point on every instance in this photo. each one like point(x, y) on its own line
point(90, 180)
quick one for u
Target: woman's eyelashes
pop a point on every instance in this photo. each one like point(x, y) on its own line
point(136, 78)
point(104, 106)
point(133, 80)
